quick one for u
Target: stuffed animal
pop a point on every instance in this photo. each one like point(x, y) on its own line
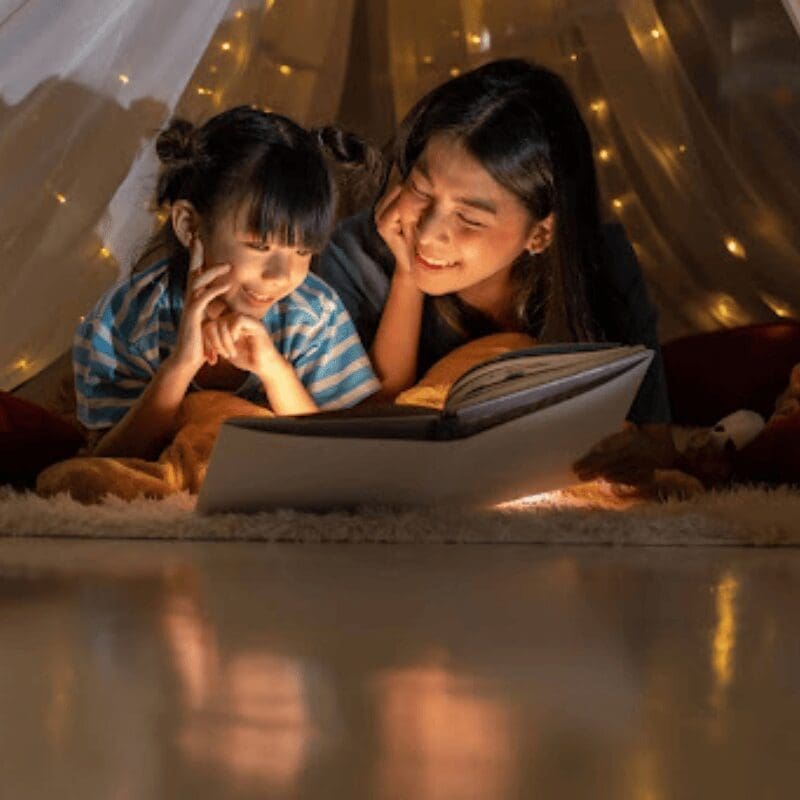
point(709, 453)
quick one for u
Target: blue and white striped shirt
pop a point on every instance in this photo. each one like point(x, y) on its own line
point(121, 343)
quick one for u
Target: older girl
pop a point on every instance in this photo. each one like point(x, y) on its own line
point(493, 225)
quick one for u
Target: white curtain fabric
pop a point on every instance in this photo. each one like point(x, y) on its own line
point(84, 87)
point(694, 106)
point(793, 10)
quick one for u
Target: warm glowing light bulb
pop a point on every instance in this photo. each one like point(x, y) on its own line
point(777, 306)
point(225, 46)
point(455, 72)
point(203, 91)
point(285, 69)
point(82, 318)
point(573, 57)
point(598, 106)
point(604, 154)
point(105, 252)
point(61, 198)
point(735, 247)
point(474, 38)
point(239, 14)
point(655, 33)
point(725, 309)
point(22, 363)
point(681, 148)
point(124, 78)
point(617, 203)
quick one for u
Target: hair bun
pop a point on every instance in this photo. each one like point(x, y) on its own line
point(358, 168)
point(341, 145)
point(177, 144)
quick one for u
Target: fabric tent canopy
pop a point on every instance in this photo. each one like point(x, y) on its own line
point(694, 107)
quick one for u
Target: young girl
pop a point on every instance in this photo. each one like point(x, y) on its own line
point(493, 225)
point(223, 299)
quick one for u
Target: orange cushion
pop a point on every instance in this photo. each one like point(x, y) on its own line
point(32, 438)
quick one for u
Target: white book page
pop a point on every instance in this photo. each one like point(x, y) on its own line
point(496, 378)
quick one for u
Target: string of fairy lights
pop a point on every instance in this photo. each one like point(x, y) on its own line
point(722, 307)
point(228, 52)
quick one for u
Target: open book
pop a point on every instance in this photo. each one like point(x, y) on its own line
point(511, 426)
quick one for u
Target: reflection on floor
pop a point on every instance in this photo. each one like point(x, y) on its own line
point(206, 670)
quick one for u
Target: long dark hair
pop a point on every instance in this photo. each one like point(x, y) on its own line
point(520, 122)
point(244, 157)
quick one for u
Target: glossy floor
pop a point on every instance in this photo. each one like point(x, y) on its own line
point(196, 670)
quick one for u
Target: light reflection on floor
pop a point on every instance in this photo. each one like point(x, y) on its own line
point(157, 670)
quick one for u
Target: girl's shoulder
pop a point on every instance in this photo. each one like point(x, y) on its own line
point(140, 293)
point(314, 299)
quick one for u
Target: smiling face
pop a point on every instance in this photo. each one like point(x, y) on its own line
point(464, 229)
point(262, 272)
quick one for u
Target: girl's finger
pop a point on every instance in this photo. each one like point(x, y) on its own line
point(216, 308)
point(387, 204)
point(243, 325)
point(203, 298)
point(210, 353)
point(227, 339)
point(196, 255)
point(211, 333)
point(208, 349)
point(210, 275)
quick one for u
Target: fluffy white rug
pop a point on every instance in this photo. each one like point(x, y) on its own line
point(745, 516)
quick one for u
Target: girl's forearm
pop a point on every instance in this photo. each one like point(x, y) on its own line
point(394, 350)
point(285, 391)
point(152, 421)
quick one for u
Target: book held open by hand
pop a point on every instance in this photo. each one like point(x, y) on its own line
point(511, 426)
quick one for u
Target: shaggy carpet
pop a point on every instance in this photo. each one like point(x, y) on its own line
point(744, 516)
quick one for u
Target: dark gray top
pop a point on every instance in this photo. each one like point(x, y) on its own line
point(358, 264)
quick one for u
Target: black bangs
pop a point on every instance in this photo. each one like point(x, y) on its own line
point(290, 198)
point(512, 145)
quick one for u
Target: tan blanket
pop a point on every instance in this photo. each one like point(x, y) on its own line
point(181, 467)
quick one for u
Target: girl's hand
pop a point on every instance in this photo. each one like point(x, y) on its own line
point(203, 288)
point(241, 340)
point(390, 227)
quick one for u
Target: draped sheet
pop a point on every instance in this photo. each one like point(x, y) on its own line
point(693, 105)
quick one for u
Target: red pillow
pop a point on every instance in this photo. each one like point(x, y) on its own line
point(710, 375)
point(774, 455)
point(32, 438)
